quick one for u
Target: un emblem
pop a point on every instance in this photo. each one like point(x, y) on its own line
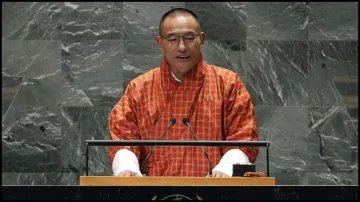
point(176, 197)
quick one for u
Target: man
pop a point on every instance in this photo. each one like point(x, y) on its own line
point(213, 98)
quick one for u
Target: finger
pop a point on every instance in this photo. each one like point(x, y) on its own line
point(220, 174)
point(128, 173)
point(216, 174)
point(224, 175)
point(125, 173)
point(134, 174)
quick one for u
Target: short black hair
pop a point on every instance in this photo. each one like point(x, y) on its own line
point(182, 11)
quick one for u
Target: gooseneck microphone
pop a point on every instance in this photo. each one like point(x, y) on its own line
point(171, 122)
point(187, 124)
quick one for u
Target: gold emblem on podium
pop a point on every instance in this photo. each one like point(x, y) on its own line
point(176, 197)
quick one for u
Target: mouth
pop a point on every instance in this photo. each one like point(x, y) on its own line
point(183, 57)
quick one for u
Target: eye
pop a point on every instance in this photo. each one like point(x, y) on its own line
point(171, 38)
point(190, 37)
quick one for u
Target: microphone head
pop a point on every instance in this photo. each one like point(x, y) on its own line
point(172, 121)
point(186, 121)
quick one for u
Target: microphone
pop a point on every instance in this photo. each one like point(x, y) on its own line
point(187, 124)
point(171, 122)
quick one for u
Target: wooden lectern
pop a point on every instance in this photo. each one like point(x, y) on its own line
point(175, 181)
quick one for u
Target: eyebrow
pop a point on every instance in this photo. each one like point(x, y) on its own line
point(173, 34)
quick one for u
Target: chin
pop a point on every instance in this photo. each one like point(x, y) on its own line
point(185, 68)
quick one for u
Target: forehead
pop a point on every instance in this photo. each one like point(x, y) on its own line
point(179, 24)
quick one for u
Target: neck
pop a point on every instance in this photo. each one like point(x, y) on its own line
point(176, 79)
point(178, 76)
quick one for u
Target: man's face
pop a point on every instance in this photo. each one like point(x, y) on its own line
point(182, 53)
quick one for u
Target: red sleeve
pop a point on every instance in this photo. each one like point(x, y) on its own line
point(240, 119)
point(123, 123)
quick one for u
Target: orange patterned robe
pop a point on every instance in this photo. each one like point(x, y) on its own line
point(214, 100)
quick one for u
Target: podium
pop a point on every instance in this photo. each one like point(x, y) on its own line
point(175, 181)
point(177, 188)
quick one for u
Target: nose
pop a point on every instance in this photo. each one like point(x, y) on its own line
point(181, 46)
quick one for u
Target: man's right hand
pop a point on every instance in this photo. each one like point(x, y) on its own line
point(127, 173)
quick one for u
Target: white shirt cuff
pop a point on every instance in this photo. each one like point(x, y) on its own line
point(125, 160)
point(233, 156)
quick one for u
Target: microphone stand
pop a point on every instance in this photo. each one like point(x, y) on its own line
point(187, 123)
point(172, 122)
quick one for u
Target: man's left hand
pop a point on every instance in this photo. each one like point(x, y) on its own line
point(222, 170)
point(218, 174)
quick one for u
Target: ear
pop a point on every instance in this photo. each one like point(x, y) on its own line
point(202, 39)
point(160, 43)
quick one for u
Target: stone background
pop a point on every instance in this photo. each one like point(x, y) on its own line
point(66, 64)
